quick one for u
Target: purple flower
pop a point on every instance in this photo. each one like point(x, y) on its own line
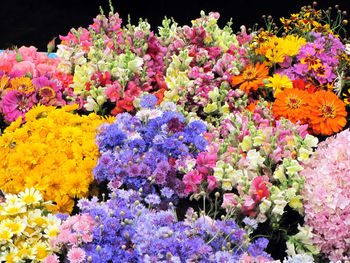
point(153, 199)
point(148, 101)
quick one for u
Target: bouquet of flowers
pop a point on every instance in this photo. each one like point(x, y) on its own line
point(54, 151)
point(149, 151)
point(26, 226)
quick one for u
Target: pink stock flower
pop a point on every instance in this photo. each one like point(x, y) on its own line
point(28, 53)
point(76, 255)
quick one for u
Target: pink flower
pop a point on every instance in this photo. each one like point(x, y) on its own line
point(53, 258)
point(28, 53)
point(191, 179)
point(259, 189)
point(76, 255)
point(248, 206)
point(15, 104)
point(207, 159)
point(229, 201)
point(211, 183)
point(25, 67)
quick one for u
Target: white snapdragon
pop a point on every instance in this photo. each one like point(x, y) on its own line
point(255, 159)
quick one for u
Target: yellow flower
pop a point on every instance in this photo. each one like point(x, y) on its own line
point(16, 226)
point(279, 83)
point(52, 144)
point(38, 111)
point(22, 84)
point(42, 250)
point(13, 209)
point(5, 235)
point(10, 256)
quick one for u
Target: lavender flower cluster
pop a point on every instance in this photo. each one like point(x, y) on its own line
point(127, 231)
point(148, 151)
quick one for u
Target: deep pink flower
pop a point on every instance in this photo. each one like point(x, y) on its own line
point(259, 189)
point(207, 159)
point(15, 104)
point(211, 183)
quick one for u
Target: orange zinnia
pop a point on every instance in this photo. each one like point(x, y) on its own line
point(327, 113)
point(292, 104)
point(252, 77)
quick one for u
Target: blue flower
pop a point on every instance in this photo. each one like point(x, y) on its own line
point(201, 143)
point(197, 127)
point(137, 145)
point(114, 137)
point(148, 101)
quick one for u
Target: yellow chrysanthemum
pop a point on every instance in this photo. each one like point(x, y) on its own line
point(51, 144)
point(38, 111)
point(279, 83)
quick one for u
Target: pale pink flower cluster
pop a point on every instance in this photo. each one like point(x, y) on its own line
point(73, 232)
point(327, 196)
point(28, 60)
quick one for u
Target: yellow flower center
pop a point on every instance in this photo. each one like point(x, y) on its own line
point(293, 103)
point(328, 111)
point(249, 74)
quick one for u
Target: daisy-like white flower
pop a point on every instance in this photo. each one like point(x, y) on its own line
point(16, 226)
point(30, 196)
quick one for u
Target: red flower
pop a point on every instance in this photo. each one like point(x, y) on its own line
point(259, 189)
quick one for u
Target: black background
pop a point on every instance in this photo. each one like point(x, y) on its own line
point(36, 22)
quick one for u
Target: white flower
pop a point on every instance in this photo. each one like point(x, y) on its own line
point(135, 65)
point(347, 49)
point(91, 104)
point(255, 159)
point(311, 141)
point(304, 155)
point(264, 205)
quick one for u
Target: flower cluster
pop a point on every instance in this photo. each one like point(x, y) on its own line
point(203, 58)
point(326, 196)
point(201, 115)
point(54, 151)
point(113, 64)
point(123, 230)
point(72, 234)
point(150, 151)
point(28, 78)
point(255, 163)
point(26, 226)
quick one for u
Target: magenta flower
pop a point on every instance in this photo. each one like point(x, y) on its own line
point(15, 104)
